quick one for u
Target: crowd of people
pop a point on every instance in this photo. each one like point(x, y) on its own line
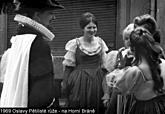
point(129, 80)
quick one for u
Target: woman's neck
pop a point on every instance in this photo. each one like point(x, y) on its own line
point(88, 39)
point(144, 62)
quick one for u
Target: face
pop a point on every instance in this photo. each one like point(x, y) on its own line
point(45, 17)
point(90, 30)
point(126, 41)
point(126, 34)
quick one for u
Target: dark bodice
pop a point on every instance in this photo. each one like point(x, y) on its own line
point(87, 61)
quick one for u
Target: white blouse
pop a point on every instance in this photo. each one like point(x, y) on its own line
point(71, 46)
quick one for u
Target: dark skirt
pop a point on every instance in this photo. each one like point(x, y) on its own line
point(153, 106)
point(85, 88)
point(130, 105)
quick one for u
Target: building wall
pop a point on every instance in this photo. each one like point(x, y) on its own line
point(160, 12)
point(139, 7)
point(127, 10)
point(122, 14)
point(3, 33)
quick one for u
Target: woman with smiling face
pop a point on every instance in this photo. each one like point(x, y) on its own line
point(84, 64)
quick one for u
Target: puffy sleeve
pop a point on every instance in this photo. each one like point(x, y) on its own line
point(130, 81)
point(104, 46)
point(69, 57)
point(111, 59)
point(104, 55)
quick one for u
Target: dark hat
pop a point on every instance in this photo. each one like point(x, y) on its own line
point(12, 5)
point(6, 5)
point(40, 4)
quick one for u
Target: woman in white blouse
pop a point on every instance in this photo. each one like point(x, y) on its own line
point(84, 64)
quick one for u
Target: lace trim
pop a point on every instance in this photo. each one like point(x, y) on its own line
point(87, 51)
point(39, 27)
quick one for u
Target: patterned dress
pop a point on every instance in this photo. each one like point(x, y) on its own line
point(85, 81)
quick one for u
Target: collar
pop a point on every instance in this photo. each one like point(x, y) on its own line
point(48, 35)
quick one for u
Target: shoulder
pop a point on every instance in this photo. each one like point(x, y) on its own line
point(112, 53)
point(129, 79)
point(102, 42)
point(131, 74)
point(22, 38)
point(162, 67)
point(99, 39)
point(111, 60)
point(40, 43)
point(132, 71)
point(162, 64)
point(71, 45)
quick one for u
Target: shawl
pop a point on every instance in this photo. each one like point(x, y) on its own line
point(15, 87)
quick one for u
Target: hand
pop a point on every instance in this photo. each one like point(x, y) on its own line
point(64, 102)
point(105, 99)
point(121, 49)
point(106, 102)
point(63, 86)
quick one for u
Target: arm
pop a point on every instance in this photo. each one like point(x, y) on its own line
point(110, 80)
point(69, 63)
point(64, 85)
point(112, 106)
point(129, 82)
point(67, 71)
point(107, 92)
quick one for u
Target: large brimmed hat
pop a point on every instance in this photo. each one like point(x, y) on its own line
point(6, 5)
point(40, 4)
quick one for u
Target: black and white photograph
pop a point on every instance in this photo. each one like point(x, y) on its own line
point(82, 56)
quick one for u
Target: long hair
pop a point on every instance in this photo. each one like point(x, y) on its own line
point(143, 45)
